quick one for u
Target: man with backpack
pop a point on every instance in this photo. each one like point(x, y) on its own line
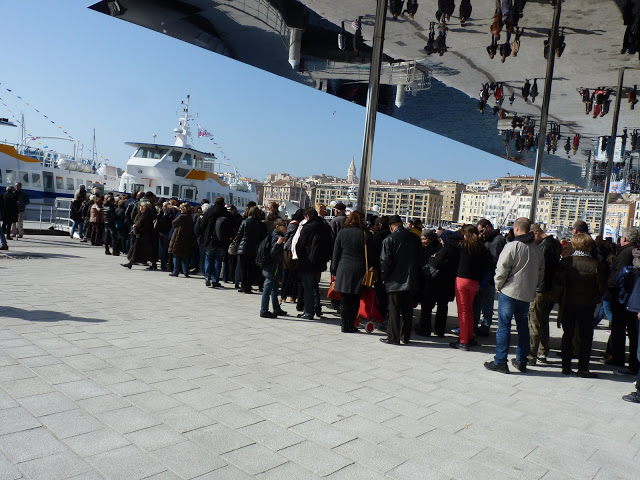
point(313, 250)
point(623, 322)
point(217, 232)
point(270, 257)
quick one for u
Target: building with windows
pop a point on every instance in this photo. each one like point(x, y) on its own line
point(567, 207)
point(286, 190)
point(472, 205)
point(451, 192)
point(621, 213)
point(409, 201)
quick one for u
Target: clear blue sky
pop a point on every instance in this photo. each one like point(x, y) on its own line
point(86, 70)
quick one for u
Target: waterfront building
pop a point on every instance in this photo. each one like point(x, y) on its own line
point(621, 213)
point(286, 190)
point(408, 201)
point(451, 192)
point(548, 183)
point(481, 185)
point(472, 205)
point(568, 206)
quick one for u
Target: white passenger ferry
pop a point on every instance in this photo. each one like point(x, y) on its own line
point(182, 172)
point(47, 174)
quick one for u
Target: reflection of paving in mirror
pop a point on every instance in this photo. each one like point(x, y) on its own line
point(327, 44)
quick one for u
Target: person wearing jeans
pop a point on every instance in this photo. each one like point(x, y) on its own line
point(213, 258)
point(519, 268)
point(272, 269)
point(509, 308)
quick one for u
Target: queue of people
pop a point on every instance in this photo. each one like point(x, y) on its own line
point(396, 266)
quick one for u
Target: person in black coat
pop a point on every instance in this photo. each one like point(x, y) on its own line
point(399, 269)
point(109, 216)
point(289, 274)
point(141, 250)
point(9, 210)
point(252, 231)
point(272, 269)
point(313, 251)
point(349, 265)
point(380, 232)
point(439, 286)
point(214, 247)
point(3, 239)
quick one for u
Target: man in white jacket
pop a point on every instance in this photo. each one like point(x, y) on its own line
point(519, 266)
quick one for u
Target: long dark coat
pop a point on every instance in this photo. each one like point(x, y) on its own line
point(142, 249)
point(182, 237)
point(348, 263)
point(10, 207)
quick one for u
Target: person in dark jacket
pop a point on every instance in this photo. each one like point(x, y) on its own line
point(583, 281)
point(541, 307)
point(289, 273)
point(380, 232)
point(441, 289)
point(430, 245)
point(109, 216)
point(337, 222)
point(163, 227)
point(3, 239)
point(483, 303)
point(349, 265)
point(17, 229)
point(214, 247)
point(272, 271)
point(399, 269)
point(472, 267)
point(623, 322)
point(86, 215)
point(76, 213)
point(181, 241)
point(141, 251)
point(252, 231)
point(9, 211)
point(122, 228)
point(313, 251)
point(633, 305)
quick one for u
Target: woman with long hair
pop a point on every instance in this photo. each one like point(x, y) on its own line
point(349, 265)
point(181, 241)
point(472, 267)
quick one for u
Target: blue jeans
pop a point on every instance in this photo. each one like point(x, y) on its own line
point(509, 308)
point(163, 248)
point(310, 281)
point(77, 225)
point(3, 239)
point(213, 263)
point(176, 265)
point(605, 310)
point(270, 289)
point(483, 304)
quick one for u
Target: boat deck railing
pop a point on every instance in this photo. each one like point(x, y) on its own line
point(49, 158)
point(265, 13)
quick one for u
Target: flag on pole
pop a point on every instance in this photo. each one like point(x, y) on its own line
point(203, 132)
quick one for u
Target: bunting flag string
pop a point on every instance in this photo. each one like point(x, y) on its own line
point(28, 104)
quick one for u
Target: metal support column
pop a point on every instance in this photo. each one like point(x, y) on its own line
point(544, 115)
point(612, 147)
point(372, 106)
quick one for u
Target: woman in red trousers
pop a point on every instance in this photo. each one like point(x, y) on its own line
point(474, 264)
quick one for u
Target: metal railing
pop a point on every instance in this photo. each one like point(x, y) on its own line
point(63, 221)
point(264, 12)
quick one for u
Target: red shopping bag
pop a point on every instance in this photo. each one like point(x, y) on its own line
point(369, 306)
point(332, 293)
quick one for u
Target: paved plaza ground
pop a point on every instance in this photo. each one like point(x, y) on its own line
point(111, 373)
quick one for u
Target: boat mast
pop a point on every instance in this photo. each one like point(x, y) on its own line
point(93, 148)
point(182, 131)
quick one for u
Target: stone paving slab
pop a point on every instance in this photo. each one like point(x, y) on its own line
point(111, 373)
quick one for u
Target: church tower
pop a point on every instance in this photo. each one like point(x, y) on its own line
point(351, 173)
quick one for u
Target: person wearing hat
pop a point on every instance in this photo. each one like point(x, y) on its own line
point(338, 220)
point(399, 265)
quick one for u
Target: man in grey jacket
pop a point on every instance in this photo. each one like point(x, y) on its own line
point(399, 265)
point(520, 265)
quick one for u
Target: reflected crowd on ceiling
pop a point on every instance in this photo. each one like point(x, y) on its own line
point(443, 64)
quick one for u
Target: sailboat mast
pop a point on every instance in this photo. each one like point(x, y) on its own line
point(93, 148)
